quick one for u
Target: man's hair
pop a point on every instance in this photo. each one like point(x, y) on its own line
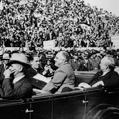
point(65, 55)
point(110, 62)
point(31, 56)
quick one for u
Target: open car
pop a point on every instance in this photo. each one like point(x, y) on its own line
point(91, 103)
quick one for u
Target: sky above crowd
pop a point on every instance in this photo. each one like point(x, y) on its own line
point(109, 5)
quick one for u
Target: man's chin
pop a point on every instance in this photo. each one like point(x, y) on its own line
point(56, 65)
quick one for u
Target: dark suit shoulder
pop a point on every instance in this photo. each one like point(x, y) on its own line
point(30, 72)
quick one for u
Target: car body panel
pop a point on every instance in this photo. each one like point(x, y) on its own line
point(90, 103)
point(14, 110)
point(69, 106)
point(42, 107)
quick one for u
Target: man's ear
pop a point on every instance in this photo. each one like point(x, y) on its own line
point(21, 68)
point(31, 62)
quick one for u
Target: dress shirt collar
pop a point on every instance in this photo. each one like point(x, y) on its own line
point(17, 79)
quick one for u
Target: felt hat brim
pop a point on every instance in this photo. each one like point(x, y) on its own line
point(15, 61)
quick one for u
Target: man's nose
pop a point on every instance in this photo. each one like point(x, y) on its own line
point(10, 68)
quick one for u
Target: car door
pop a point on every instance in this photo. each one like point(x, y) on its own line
point(14, 109)
point(69, 105)
point(41, 107)
point(100, 101)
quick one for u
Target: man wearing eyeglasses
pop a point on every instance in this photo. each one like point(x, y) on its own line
point(64, 76)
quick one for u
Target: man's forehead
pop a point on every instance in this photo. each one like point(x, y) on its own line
point(36, 58)
point(59, 55)
point(105, 60)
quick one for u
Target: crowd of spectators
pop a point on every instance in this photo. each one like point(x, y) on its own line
point(44, 61)
point(71, 23)
point(81, 60)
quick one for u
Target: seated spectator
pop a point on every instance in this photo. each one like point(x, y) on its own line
point(116, 66)
point(85, 64)
point(63, 77)
point(117, 69)
point(15, 84)
point(5, 59)
point(94, 60)
point(34, 71)
point(75, 62)
point(3, 65)
point(48, 69)
point(106, 76)
point(36, 66)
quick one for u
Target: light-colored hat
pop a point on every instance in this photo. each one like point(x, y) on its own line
point(5, 56)
point(19, 58)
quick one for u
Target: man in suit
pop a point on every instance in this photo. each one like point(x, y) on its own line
point(105, 77)
point(15, 84)
point(64, 76)
point(36, 66)
point(34, 71)
point(3, 65)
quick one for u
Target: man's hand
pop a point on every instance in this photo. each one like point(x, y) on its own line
point(83, 85)
point(98, 84)
point(7, 73)
point(46, 68)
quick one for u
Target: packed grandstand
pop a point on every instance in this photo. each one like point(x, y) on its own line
point(71, 23)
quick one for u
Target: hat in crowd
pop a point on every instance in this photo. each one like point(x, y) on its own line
point(19, 58)
point(6, 56)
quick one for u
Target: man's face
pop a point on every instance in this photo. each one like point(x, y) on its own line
point(35, 63)
point(103, 64)
point(5, 61)
point(59, 59)
point(15, 68)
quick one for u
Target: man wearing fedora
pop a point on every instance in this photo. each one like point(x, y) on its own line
point(15, 84)
point(4, 60)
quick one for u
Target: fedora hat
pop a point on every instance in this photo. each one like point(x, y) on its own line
point(19, 58)
point(6, 56)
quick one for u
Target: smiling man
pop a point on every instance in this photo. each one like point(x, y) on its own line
point(36, 66)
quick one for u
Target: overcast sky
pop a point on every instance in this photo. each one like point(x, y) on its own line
point(109, 5)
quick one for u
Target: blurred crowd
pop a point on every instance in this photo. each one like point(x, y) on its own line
point(81, 60)
point(71, 23)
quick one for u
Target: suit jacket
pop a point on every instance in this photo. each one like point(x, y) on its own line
point(109, 79)
point(21, 89)
point(85, 66)
point(30, 73)
point(2, 69)
point(63, 77)
point(75, 64)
